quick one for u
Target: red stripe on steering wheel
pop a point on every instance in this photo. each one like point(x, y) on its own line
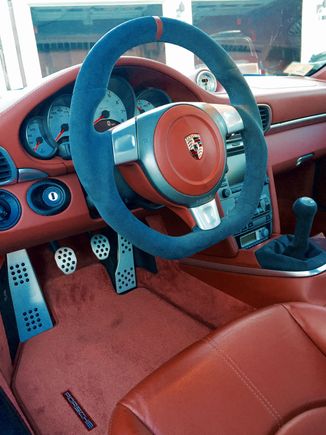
point(159, 28)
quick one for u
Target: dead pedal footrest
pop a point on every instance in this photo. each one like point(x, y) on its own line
point(31, 311)
point(125, 274)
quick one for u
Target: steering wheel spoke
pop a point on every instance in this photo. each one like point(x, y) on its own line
point(231, 117)
point(125, 143)
point(225, 116)
point(206, 215)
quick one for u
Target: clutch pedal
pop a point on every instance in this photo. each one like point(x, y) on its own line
point(66, 260)
point(125, 274)
point(31, 312)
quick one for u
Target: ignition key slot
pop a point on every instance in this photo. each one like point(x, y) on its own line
point(48, 197)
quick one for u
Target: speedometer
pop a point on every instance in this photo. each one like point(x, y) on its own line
point(117, 106)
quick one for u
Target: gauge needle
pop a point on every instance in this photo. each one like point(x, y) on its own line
point(98, 119)
point(38, 143)
point(140, 109)
point(105, 115)
point(64, 128)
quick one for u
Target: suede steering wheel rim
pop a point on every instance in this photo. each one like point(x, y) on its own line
point(94, 155)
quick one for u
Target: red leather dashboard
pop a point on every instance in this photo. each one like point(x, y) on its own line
point(289, 99)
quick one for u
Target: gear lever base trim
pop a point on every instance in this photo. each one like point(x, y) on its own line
point(273, 256)
point(255, 271)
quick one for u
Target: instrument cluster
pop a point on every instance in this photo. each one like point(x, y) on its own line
point(45, 132)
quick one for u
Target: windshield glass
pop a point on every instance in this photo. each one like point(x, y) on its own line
point(264, 37)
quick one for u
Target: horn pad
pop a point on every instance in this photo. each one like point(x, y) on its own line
point(189, 150)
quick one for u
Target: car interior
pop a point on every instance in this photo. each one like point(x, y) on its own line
point(163, 257)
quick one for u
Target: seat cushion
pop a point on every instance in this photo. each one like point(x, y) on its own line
point(260, 375)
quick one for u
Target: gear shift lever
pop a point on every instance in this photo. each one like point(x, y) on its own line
point(298, 252)
point(304, 209)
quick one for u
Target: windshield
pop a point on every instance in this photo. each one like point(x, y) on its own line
point(264, 37)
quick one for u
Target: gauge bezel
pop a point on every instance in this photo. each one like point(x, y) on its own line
point(30, 151)
point(157, 97)
point(209, 72)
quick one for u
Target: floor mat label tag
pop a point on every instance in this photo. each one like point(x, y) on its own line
point(81, 413)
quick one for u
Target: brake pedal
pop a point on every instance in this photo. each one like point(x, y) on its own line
point(66, 260)
point(125, 274)
point(31, 312)
point(100, 246)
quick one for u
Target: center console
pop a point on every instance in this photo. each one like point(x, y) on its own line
point(259, 265)
point(259, 228)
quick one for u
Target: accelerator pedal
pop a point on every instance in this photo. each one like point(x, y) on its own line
point(125, 274)
point(100, 246)
point(66, 260)
point(31, 312)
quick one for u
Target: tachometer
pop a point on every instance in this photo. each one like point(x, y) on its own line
point(117, 106)
point(35, 140)
point(150, 98)
point(110, 112)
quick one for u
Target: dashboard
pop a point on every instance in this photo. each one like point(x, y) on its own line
point(34, 137)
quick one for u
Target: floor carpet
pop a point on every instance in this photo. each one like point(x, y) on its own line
point(102, 345)
point(201, 301)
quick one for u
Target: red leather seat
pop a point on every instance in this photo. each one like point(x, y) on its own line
point(263, 374)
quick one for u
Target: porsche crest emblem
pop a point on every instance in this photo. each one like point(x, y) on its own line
point(195, 146)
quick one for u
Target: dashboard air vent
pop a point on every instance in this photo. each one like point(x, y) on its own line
point(265, 115)
point(8, 170)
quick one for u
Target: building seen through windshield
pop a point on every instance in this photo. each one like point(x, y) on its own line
point(268, 37)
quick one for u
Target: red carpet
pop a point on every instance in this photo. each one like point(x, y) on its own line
point(102, 345)
point(193, 296)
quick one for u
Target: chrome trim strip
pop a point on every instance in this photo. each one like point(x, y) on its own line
point(297, 122)
point(30, 174)
point(206, 215)
point(253, 271)
point(124, 142)
point(304, 158)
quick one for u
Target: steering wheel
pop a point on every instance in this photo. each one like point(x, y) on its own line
point(175, 153)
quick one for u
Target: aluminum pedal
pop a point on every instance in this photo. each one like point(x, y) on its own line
point(100, 246)
point(66, 260)
point(31, 312)
point(125, 274)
